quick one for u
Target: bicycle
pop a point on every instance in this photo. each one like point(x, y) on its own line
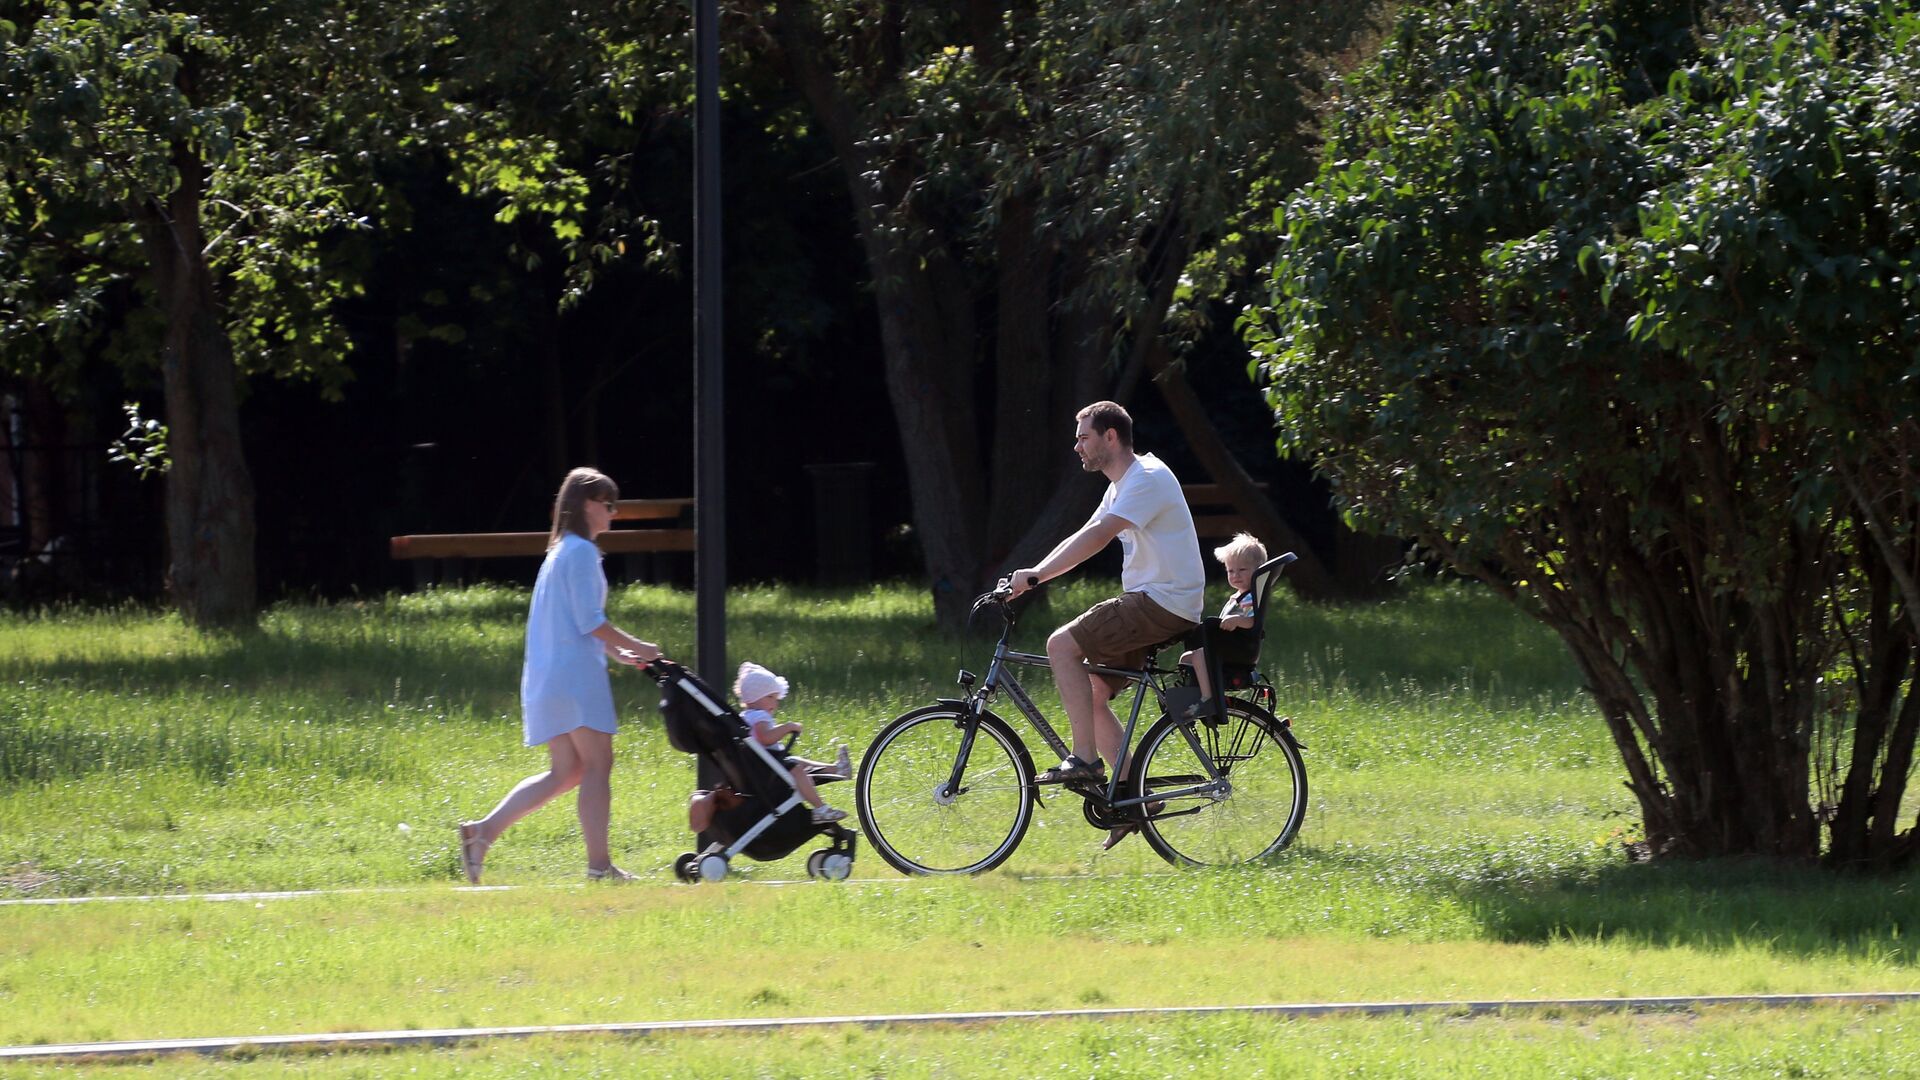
point(949, 788)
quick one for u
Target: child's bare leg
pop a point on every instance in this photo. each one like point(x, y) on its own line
point(1197, 660)
point(803, 783)
point(841, 769)
point(822, 813)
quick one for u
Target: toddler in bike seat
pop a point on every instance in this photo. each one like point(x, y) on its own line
point(760, 692)
point(1241, 555)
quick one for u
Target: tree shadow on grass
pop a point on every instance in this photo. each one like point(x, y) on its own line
point(1720, 904)
point(353, 670)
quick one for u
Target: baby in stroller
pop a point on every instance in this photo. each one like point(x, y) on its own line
point(760, 693)
point(756, 807)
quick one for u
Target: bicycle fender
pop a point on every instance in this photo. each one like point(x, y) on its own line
point(1286, 727)
point(988, 716)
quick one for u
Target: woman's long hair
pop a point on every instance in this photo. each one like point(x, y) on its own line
point(581, 486)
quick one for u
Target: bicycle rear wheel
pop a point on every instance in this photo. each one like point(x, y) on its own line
point(1260, 811)
point(915, 822)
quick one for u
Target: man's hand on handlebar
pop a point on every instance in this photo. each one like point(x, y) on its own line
point(1018, 582)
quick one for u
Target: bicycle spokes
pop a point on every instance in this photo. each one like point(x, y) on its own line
point(1252, 810)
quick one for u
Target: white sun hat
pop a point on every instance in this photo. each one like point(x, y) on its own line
point(755, 682)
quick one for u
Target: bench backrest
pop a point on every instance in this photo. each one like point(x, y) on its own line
point(672, 521)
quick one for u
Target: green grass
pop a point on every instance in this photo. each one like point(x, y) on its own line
point(444, 958)
point(1724, 1043)
point(1462, 841)
point(136, 756)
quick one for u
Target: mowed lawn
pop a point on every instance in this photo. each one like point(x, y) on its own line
point(1464, 841)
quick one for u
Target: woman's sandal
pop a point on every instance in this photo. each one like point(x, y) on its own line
point(473, 851)
point(609, 873)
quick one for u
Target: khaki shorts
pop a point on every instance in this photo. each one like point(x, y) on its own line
point(1116, 633)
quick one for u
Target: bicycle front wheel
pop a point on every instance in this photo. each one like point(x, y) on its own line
point(917, 820)
point(1257, 813)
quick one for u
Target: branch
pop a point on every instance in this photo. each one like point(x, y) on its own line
point(1890, 552)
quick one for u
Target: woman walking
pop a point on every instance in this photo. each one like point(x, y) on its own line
point(566, 698)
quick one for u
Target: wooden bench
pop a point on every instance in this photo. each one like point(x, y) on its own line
point(1214, 515)
point(672, 531)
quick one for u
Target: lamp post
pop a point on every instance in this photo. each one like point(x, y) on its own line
point(709, 445)
point(709, 451)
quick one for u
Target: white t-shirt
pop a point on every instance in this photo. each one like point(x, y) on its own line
point(757, 719)
point(1161, 554)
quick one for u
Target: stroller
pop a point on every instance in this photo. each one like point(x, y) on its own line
point(770, 820)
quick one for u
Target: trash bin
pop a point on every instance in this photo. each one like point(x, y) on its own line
point(842, 535)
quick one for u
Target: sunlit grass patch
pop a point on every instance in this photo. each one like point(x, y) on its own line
point(1836, 1042)
point(378, 961)
point(1463, 840)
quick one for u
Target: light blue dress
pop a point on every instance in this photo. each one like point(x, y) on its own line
point(564, 683)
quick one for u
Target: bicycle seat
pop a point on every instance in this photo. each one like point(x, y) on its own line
point(1182, 640)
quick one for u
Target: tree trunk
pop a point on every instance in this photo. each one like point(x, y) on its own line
point(41, 495)
point(927, 317)
point(1024, 426)
point(1701, 683)
point(210, 523)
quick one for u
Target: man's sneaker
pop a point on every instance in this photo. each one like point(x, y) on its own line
point(827, 815)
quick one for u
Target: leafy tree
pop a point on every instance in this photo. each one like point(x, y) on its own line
point(1617, 311)
point(1031, 182)
point(191, 154)
point(224, 159)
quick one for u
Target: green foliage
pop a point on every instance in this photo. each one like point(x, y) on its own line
point(104, 103)
point(292, 109)
point(1620, 313)
point(1124, 126)
point(550, 124)
point(1438, 257)
point(143, 446)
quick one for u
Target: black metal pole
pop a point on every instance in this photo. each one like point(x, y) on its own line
point(709, 459)
point(709, 445)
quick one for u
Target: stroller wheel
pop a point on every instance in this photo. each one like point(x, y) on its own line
point(683, 867)
point(712, 867)
point(829, 865)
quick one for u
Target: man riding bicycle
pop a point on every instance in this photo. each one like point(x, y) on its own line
point(1162, 577)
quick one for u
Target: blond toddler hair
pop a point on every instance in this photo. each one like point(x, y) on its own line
point(1241, 544)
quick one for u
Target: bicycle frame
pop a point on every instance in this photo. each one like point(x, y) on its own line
point(1000, 676)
